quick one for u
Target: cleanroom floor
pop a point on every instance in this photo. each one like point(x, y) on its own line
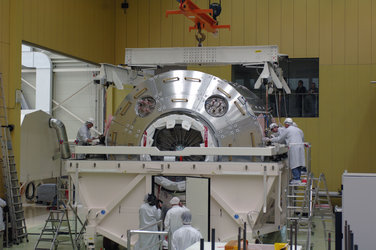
point(36, 215)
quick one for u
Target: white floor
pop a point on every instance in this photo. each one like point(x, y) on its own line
point(36, 216)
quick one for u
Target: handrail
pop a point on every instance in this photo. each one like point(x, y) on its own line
point(279, 191)
point(265, 190)
point(159, 223)
point(162, 233)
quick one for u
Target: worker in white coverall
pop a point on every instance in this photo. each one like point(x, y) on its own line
point(149, 214)
point(294, 138)
point(304, 168)
point(84, 135)
point(186, 235)
point(274, 129)
point(2, 225)
point(173, 216)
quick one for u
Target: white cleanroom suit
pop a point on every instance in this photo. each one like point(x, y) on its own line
point(83, 135)
point(173, 218)
point(185, 237)
point(294, 138)
point(148, 215)
point(2, 225)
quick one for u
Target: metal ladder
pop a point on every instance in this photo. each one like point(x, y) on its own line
point(49, 236)
point(63, 201)
point(63, 205)
point(323, 206)
point(299, 214)
point(10, 177)
point(299, 207)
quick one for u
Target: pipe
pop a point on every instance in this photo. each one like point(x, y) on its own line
point(129, 236)
point(296, 234)
point(329, 242)
point(265, 189)
point(148, 232)
point(291, 242)
point(334, 194)
point(239, 237)
point(245, 236)
point(169, 239)
point(346, 236)
point(279, 191)
point(62, 136)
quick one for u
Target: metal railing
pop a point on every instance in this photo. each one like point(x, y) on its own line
point(143, 231)
point(292, 105)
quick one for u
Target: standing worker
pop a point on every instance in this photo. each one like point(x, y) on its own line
point(294, 138)
point(187, 235)
point(149, 214)
point(173, 217)
point(2, 225)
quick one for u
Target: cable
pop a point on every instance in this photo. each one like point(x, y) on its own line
point(284, 100)
point(276, 104)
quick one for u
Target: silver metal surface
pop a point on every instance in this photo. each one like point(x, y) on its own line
point(61, 136)
point(177, 98)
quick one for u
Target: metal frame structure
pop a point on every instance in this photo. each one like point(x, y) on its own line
point(62, 64)
point(247, 189)
point(243, 55)
point(108, 190)
point(150, 58)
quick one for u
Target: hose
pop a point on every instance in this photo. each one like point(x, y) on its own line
point(30, 197)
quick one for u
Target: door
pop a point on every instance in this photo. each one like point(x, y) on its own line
point(197, 200)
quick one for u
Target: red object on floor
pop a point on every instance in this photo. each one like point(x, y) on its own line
point(201, 17)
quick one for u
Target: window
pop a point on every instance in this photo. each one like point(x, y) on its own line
point(302, 76)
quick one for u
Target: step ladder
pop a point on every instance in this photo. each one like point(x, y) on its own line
point(10, 177)
point(322, 206)
point(56, 227)
point(63, 188)
point(299, 199)
point(299, 214)
point(63, 203)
